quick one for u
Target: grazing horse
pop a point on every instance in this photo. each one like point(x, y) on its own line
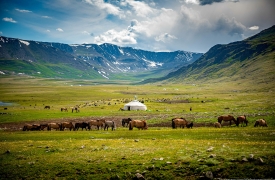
point(55, 126)
point(241, 120)
point(97, 123)
point(76, 109)
point(140, 124)
point(47, 107)
point(181, 122)
point(68, 125)
point(64, 109)
point(260, 122)
point(32, 127)
point(81, 125)
point(126, 121)
point(43, 126)
point(217, 125)
point(226, 119)
point(110, 124)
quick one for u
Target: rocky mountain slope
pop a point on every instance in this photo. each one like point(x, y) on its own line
point(252, 59)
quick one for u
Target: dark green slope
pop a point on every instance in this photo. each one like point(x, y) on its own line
point(250, 59)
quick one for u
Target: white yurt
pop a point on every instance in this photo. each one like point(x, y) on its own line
point(134, 105)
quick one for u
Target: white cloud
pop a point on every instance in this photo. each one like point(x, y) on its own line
point(9, 20)
point(141, 8)
point(23, 10)
point(253, 28)
point(192, 2)
point(109, 8)
point(165, 37)
point(60, 30)
point(116, 37)
point(48, 30)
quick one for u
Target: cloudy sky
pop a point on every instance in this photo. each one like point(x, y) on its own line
point(154, 25)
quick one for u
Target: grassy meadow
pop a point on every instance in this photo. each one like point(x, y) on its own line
point(157, 153)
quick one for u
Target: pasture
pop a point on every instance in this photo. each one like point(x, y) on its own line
point(157, 153)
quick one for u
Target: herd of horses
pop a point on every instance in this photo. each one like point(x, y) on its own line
point(99, 124)
point(139, 124)
point(241, 120)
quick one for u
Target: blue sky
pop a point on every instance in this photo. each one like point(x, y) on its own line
point(154, 25)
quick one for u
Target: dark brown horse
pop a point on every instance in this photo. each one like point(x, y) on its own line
point(32, 127)
point(260, 122)
point(126, 121)
point(140, 124)
point(242, 120)
point(47, 107)
point(81, 125)
point(179, 122)
point(226, 119)
point(43, 126)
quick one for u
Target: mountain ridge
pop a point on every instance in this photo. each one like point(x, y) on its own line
point(95, 61)
point(229, 60)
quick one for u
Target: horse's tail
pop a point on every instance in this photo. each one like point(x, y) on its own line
point(131, 125)
point(173, 124)
point(123, 122)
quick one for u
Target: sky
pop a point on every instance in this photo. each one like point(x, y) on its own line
point(153, 25)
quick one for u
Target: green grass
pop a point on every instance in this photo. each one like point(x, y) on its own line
point(158, 153)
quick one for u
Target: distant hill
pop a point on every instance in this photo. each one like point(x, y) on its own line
point(87, 61)
point(252, 59)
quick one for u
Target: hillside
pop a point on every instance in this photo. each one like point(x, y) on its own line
point(87, 61)
point(251, 60)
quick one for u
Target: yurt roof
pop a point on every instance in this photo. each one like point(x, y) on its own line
point(134, 103)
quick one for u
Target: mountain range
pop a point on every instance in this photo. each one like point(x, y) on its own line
point(251, 60)
point(87, 61)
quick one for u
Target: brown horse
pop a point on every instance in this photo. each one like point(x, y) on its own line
point(140, 124)
point(260, 122)
point(55, 126)
point(64, 109)
point(97, 123)
point(217, 125)
point(126, 121)
point(179, 122)
point(226, 119)
point(32, 127)
point(68, 125)
point(241, 120)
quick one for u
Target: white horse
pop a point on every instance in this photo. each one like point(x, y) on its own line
point(110, 124)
